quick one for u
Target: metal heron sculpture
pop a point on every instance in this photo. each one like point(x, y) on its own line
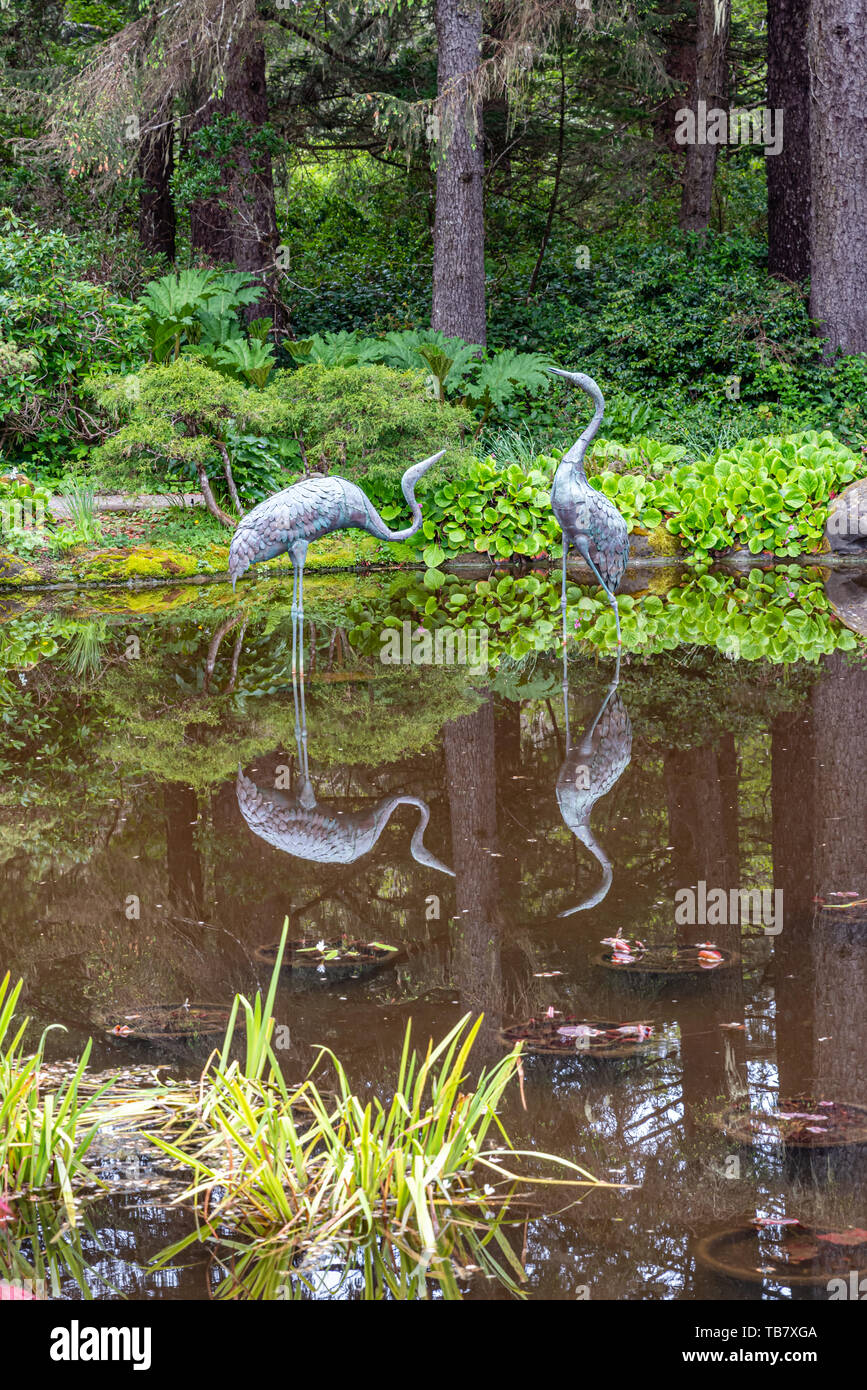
point(586, 517)
point(589, 771)
point(301, 826)
point(311, 508)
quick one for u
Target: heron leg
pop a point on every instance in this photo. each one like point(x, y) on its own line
point(563, 594)
point(585, 551)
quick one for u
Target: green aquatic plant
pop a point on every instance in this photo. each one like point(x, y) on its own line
point(305, 1164)
point(768, 494)
point(44, 1133)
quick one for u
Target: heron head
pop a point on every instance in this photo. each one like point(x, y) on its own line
point(577, 379)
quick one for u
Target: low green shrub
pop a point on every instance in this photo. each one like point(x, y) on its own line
point(57, 330)
point(765, 494)
point(176, 423)
point(370, 422)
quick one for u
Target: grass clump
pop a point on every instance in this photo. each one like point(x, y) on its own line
point(306, 1167)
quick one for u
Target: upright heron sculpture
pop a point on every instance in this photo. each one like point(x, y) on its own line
point(311, 508)
point(586, 517)
point(589, 771)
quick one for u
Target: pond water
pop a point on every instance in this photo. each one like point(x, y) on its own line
point(156, 829)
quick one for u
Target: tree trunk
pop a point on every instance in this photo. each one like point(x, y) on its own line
point(789, 171)
point(156, 209)
point(183, 860)
point(838, 159)
point(708, 86)
point(496, 113)
point(459, 225)
point(237, 225)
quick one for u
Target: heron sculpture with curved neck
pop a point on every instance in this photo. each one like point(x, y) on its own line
point(589, 771)
point(586, 517)
point(308, 829)
point(311, 508)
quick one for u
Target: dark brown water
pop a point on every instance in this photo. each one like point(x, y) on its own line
point(131, 878)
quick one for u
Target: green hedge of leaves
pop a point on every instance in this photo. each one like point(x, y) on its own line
point(764, 494)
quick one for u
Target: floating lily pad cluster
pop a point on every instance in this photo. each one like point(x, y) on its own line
point(171, 1023)
point(633, 957)
point(795, 1252)
point(336, 958)
point(802, 1122)
point(562, 1035)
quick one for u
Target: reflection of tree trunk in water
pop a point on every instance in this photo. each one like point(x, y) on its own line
point(701, 787)
point(792, 836)
point(183, 861)
point(471, 778)
point(507, 727)
point(840, 722)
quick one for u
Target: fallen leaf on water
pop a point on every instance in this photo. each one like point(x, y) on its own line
point(801, 1249)
point(855, 1236)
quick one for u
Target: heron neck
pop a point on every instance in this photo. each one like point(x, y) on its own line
point(572, 465)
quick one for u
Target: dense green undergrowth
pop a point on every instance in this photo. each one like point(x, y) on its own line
point(765, 495)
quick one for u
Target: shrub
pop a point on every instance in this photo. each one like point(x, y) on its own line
point(176, 422)
point(369, 422)
point(57, 329)
point(456, 370)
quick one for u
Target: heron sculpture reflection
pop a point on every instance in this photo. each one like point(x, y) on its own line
point(300, 825)
point(589, 770)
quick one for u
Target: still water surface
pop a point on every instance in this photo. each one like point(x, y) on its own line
point(145, 858)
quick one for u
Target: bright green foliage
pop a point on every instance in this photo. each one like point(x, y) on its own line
point(322, 1165)
point(44, 1136)
point(501, 511)
point(456, 370)
point(335, 350)
point(240, 358)
point(173, 418)
point(775, 616)
point(769, 494)
point(649, 455)
point(369, 422)
point(56, 329)
point(766, 494)
point(195, 306)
